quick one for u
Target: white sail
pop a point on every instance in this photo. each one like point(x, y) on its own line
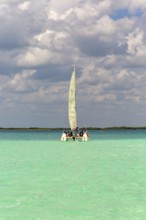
point(72, 102)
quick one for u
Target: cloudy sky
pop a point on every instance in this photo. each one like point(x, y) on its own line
point(41, 42)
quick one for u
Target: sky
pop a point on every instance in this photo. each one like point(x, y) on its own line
point(41, 42)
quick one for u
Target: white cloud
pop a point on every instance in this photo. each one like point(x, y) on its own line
point(131, 5)
point(34, 57)
point(64, 6)
point(104, 27)
point(88, 11)
point(9, 1)
point(55, 16)
point(20, 82)
point(24, 6)
point(53, 40)
point(134, 5)
point(135, 41)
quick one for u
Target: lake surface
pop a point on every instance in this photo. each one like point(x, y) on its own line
point(42, 178)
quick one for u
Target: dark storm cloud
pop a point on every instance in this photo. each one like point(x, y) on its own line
point(55, 73)
point(92, 46)
point(18, 26)
point(12, 28)
point(52, 73)
point(13, 34)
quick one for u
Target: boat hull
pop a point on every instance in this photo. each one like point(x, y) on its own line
point(74, 138)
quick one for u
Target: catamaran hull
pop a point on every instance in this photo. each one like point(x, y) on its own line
point(74, 138)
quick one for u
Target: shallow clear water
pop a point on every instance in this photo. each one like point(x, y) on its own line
point(55, 135)
point(42, 178)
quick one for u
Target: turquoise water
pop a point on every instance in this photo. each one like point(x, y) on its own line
point(42, 178)
point(55, 135)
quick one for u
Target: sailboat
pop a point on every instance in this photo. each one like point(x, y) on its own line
point(72, 115)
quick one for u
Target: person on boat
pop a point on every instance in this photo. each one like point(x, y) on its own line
point(74, 138)
point(63, 137)
point(85, 136)
point(76, 131)
point(71, 134)
point(77, 134)
point(81, 133)
point(67, 133)
point(87, 133)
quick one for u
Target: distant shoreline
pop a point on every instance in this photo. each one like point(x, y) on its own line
point(58, 129)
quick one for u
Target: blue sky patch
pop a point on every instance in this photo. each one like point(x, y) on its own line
point(121, 13)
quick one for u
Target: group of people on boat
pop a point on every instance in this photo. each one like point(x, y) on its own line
point(75, 134)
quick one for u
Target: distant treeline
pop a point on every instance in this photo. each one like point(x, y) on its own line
point(88, 128)
point(31, 128)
